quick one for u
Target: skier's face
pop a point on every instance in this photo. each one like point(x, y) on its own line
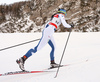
point(63, 14)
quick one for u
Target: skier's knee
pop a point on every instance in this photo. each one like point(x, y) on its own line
point(35, 49)
point(31, 50)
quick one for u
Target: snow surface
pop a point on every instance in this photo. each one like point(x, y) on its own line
point(10, 2)
point(82, 54)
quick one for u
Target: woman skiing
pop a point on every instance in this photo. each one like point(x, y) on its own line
point(47, 37)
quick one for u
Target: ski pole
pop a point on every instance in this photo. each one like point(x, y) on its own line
point(62, 55)
point(19, 44)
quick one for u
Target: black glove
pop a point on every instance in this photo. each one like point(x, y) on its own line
point(72, 25)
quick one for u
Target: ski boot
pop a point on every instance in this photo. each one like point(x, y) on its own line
point(53, 64)
point(21, 62)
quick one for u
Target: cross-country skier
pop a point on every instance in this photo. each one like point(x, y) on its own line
point(47, 37)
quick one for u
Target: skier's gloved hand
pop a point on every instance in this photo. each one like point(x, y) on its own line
point(72, 25)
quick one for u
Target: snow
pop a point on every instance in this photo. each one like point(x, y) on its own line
point(10, 2)
point(82, 54)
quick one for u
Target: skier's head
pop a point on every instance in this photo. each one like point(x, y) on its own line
point(62, 11)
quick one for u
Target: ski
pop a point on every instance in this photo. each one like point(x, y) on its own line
point(29, 72)
point(22, 72)
point(68, 64)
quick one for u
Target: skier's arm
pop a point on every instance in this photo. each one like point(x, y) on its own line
point(64, 22)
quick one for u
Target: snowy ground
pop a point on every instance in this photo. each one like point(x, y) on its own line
point(82, 54)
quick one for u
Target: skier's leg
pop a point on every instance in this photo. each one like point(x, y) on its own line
point(53, 46)
point(40, 45)
point(46, 35)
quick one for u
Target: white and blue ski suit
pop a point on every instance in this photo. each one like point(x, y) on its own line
point(47, 35)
